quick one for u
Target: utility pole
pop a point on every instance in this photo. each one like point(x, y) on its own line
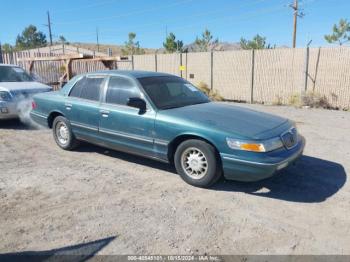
point(166, 31)
point(49, 26)
point(297, 14)
point(97, 42)
point(295, 7)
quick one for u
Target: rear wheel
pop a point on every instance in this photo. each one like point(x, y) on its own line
point(63, 135)
point(197, 163)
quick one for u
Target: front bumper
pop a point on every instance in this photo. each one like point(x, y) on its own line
point(243, 169)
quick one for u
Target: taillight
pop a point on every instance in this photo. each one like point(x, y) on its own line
point(34, 105)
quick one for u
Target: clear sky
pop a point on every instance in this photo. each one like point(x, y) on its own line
point(229, 20)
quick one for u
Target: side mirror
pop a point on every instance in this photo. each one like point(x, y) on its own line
point(138, 103)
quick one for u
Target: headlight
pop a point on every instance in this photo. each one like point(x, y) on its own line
point(261, 146)
point(5, 96)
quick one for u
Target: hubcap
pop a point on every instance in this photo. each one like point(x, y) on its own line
point(62, 133)
point(194, 163)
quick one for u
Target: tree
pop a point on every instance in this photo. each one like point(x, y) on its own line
point(341, 33)
point(258, 42)
point(62, 39)
point(6, 48)
point(30, 38)
point(206, 42)
point(131, 47)
point(172, 45)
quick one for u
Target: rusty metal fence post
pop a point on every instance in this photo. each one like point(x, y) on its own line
point(306, 71)
point(155, 62)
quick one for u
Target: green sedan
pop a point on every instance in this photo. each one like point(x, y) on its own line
point(164, 117)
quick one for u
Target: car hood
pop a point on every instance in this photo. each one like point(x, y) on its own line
point(239, 121)
point(15, 87)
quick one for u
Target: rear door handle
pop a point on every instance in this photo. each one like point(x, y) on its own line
point(104, 113)
point(68, 106)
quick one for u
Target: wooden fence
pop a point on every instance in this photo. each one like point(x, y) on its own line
point(264, 76)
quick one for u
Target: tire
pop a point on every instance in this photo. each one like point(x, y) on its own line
point(197, 163)
point(63, 135)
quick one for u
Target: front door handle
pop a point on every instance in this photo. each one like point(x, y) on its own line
point(104, 113)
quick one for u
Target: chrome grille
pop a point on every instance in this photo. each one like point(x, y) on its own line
point(290, 138)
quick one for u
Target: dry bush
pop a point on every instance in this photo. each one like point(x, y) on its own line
point(213, 94)
point(278, 101)
point(204, 88)
point(295, 100)
point(62, 69)
point(311, 99)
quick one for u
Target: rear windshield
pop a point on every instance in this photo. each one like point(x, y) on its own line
point(14, 74)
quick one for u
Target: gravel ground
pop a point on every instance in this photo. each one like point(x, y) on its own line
point(54, 199)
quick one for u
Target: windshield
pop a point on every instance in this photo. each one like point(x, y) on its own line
point(170, 92)
point(13, 74)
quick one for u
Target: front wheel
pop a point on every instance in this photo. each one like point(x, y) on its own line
point(197, 163)
point(63, 135)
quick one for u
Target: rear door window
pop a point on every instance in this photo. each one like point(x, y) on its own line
point(76, 89)
point(88, 88)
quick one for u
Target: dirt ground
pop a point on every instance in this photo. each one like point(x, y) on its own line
point(115, 203)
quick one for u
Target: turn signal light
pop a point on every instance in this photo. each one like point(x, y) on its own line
point(34, 105)
point(253, 147)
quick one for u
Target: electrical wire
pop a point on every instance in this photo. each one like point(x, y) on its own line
point(135, 12)
point(84, 7)
point(166, 21)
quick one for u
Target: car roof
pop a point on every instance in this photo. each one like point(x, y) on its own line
point(131, 73)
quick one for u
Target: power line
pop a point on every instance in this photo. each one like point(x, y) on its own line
point(123, 15)
point(201, 14)
point(229, 18)
point(84, 7)
point(241, 18)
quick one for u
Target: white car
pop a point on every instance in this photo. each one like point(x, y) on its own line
point(16, 90)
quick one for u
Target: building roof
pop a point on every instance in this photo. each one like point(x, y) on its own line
point(61, 49)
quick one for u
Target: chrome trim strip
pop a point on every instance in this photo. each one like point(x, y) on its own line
point(125, 151)
point(84, 126)
point(111, 132)
point(249, 162)
point(161, 142)
point(39, 115)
